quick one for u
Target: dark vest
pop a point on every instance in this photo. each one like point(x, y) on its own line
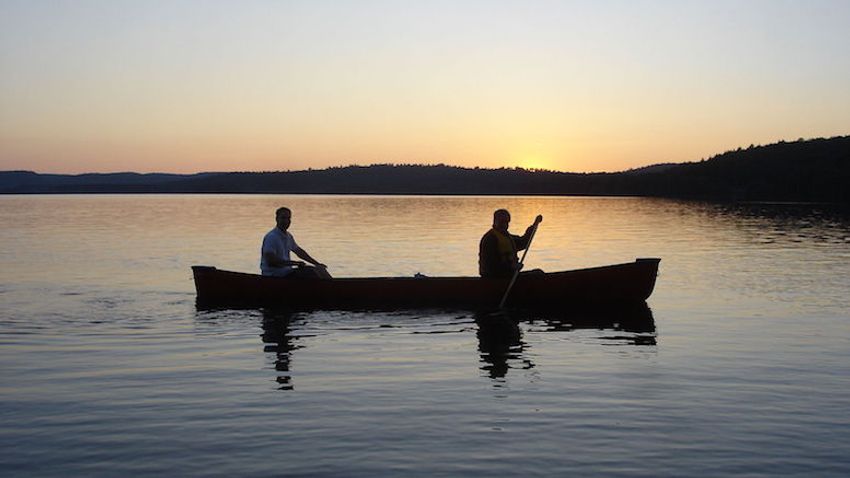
point(497, 254)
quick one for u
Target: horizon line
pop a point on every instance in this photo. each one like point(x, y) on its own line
point(404, 164)
point(326, 168)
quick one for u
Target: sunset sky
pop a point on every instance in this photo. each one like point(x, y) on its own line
point(188, 86)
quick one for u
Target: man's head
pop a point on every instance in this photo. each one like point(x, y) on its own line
point(501, 220)
point(283, 216)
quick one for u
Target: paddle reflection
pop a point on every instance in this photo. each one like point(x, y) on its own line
point(500, 338)
point(277, 339)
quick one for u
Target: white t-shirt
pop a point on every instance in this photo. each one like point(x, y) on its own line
point(279, 244)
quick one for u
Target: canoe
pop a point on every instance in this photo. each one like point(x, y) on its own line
point(619, 284)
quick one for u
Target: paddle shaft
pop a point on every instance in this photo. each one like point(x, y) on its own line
point(519, 265)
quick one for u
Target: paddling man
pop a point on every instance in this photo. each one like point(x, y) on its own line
point(274, 255)
point(497, 251)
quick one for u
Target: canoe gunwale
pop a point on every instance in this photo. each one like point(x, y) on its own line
point(410, 278)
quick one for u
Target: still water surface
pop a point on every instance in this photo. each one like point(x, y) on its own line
point(107, 368)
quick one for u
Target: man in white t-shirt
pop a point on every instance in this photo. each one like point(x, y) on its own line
point(278, 243)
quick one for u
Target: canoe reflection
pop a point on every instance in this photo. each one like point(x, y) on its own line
point(500, 334)
point(501, 346)
point(636, 319)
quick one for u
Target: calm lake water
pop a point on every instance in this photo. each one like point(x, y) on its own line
point(108, 369)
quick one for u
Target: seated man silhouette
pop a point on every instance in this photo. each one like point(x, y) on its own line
point(275, 253)
point(497, 251)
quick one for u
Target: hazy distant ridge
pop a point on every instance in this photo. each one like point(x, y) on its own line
point(804, 170)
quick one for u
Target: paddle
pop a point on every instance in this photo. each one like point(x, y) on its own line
point(537, 221)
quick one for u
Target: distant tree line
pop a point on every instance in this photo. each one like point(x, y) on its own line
point(816, 170)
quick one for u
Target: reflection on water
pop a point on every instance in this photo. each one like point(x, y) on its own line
point(500, 338)
point(278, 340)
point(768, 223)
point(637, 319)
point(500, 341)
point(107, 368)
point(499, 334)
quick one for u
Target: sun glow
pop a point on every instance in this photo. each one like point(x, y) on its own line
point(534, 161)
point(534, 157)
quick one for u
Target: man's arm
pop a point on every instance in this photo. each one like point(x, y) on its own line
point(303, 254)
point(272, 260)
point(522, 241)
point(270, 252)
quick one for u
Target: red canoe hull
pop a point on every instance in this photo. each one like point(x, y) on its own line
point(618, 284)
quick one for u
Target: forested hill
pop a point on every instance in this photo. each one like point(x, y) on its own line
point(804, 170)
